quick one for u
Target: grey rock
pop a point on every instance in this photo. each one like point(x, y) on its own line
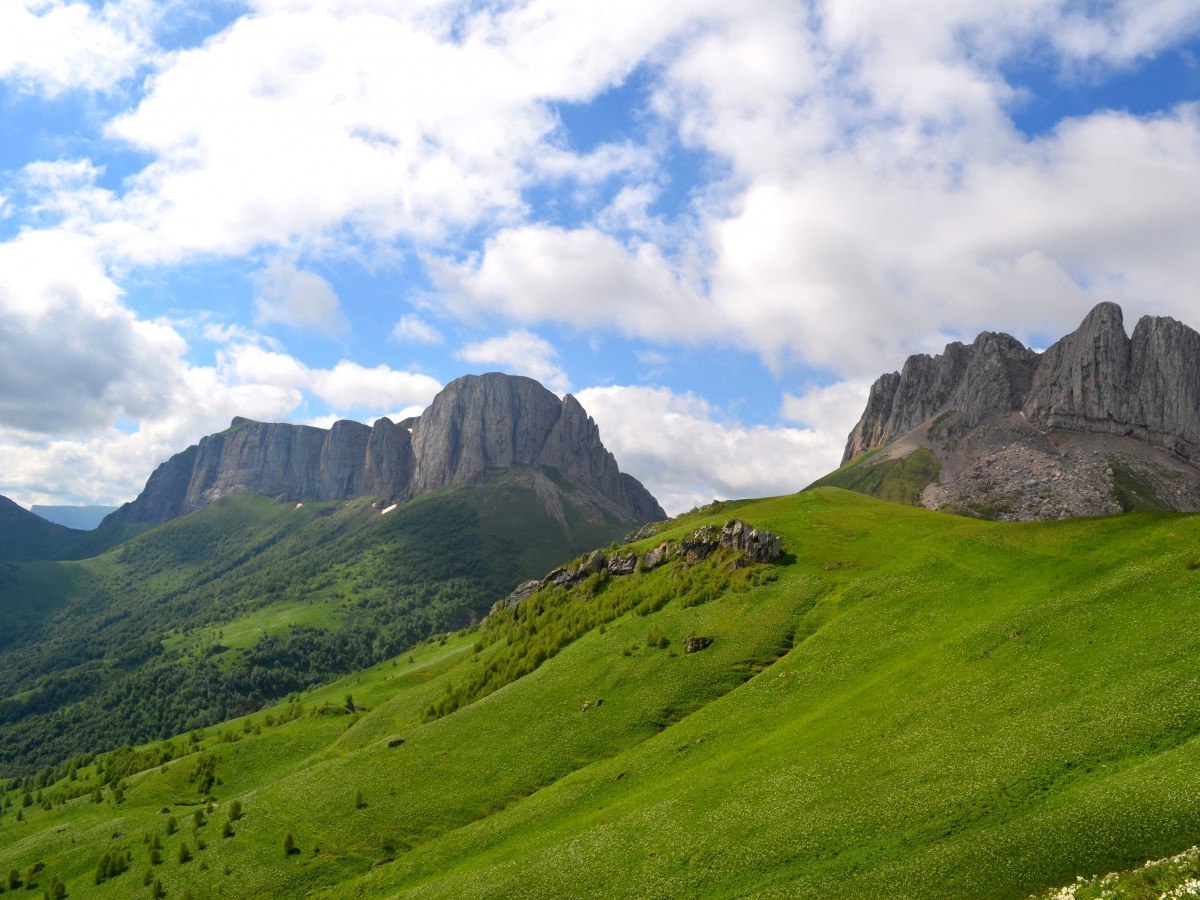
point(523, 592)
point(1084, 376)
point(621, 564)
point(594, 563)
point(759, 546)
point(656, 557)
point(698, 545)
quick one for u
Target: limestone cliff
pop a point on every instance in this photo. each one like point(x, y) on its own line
point(1099, 422)
point(476, 423)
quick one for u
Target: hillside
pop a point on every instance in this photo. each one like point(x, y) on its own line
point(249, 599)
point(906, 704)
point(1101, 422)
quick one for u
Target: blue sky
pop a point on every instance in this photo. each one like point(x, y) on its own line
point(716, 224)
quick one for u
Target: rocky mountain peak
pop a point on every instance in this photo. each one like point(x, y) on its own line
point(1097, 382)
point(474, 424)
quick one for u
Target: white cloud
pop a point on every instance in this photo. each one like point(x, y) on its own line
point(580, 276)
point(302, 120)
point(349, 386)
point(520, 353)
point(296, 297)
point(685, 454)
point(417, 330)
point(74, 358)
point(50, 46)
point(833, 410)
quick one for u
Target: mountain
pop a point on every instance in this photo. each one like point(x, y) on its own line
point(24, 535)
point(475, 424)
point(904, 704)
point(1099, 423)
point(82, 518)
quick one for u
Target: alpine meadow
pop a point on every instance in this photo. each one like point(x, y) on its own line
point(554, 449)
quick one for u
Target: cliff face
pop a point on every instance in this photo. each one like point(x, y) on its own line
point(475, 423)
point(1095, 380)
point(1098, 423)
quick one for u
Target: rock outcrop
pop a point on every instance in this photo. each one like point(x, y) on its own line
point(475, 424)
point(750, 545)
point(1065, 432)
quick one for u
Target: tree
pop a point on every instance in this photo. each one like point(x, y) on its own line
point(235, 810)
point(359, 803)
point(227, 829)
point(289, 844)
point(171, 825)
point(156, 889)
point(185, 853)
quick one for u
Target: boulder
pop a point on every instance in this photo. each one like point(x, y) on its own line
point(523, 592)
point(694, 643)
point(759, 546)
point(621, 564)
point(656, 557)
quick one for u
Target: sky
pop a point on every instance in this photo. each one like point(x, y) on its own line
point(714, 223)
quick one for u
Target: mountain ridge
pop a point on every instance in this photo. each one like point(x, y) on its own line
point(1100, 422)
point(475, 423)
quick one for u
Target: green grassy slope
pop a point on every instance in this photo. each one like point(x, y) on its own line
point(248, 599)
point(896, 480)
point(916, 704)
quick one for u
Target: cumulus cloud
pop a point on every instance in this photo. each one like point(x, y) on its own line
point(296, 297)
point(580, 276)
point(373, 122)
point(50, 46)
point(74, 358)
point(833, 409)
point(520, 353)
point(687, 454)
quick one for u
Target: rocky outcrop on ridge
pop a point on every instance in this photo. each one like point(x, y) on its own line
point(753, 545)
point(1099, 422)
point(474, 424)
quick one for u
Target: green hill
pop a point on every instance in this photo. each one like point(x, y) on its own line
point(908, 704)
point(213, 614)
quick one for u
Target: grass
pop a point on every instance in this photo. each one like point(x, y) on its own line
point(895, 480)
point(916, 705)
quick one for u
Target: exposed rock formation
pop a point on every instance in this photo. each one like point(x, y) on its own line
point(752, 545)
point(474, 424)
point(1098, 423)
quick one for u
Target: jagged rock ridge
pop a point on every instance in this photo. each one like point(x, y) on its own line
point(1071, 425)
point(474, 424)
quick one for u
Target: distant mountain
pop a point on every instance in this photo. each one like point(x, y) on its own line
point(475, 424)
point(1099, 423)
point(82, 518)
